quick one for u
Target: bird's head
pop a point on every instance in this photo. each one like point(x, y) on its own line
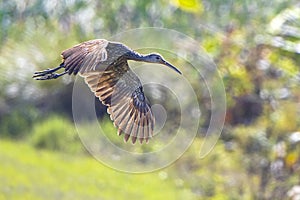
point(156, 58)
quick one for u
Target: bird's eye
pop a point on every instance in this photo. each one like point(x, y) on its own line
point(157, 57)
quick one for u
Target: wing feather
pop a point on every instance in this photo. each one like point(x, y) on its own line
point(121, 90)
point(86, 56)
point(93, 55)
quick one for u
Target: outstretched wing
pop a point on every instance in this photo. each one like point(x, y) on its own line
point(85, 56)
point(120, 89)
point(92, 55)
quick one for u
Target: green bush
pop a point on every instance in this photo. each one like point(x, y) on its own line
point(18, 122)
point(56, 133)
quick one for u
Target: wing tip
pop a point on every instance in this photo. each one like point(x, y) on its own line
point(134, 139)
point(119, 132)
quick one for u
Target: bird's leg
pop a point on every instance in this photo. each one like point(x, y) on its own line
point(48, 73)
point(49, 76)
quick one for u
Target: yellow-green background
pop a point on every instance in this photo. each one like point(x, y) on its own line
point(254, 44)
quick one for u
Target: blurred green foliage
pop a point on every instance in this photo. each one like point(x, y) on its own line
point(18, 122)
point(255, 45)
point(56, 133)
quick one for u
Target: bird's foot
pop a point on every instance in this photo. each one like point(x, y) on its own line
point(46, 76)
point(44, 72)
point(48, 73)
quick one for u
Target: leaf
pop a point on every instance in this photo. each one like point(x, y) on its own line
point(189, 5)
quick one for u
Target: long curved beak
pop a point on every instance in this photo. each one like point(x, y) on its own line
point(172, 67)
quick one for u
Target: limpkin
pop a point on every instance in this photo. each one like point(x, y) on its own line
point(104, 67)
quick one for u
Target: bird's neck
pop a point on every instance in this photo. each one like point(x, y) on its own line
point(132, 55)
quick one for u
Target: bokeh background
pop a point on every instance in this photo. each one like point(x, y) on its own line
point(256, 47)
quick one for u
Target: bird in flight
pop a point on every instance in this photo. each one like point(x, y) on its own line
point(104, 67)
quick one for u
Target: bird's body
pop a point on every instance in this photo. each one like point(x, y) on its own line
point(103, 64)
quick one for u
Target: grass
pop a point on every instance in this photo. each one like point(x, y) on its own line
point(27, 173)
